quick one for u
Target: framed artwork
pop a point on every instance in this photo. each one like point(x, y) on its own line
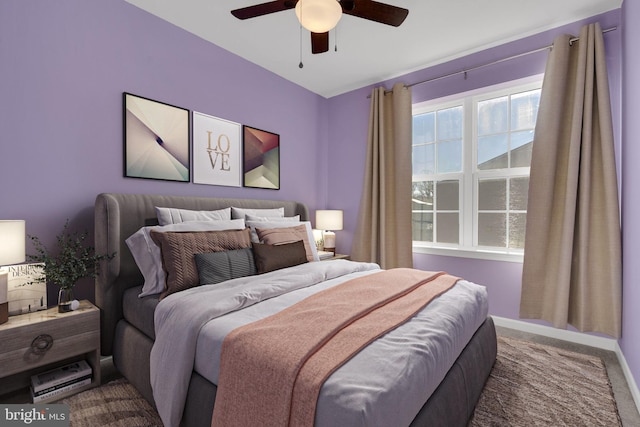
point(217, 153)
point(156, 140)
point(261, 158)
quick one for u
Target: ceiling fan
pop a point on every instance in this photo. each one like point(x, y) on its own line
point(320, 16)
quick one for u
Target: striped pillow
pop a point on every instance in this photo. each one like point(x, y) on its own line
point(216, 267)
point(178, 251)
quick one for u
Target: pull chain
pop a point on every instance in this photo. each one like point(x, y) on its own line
point(301, 64)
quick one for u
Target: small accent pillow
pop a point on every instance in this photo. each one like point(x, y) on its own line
point(275, 236)
point(242, 212)
point(147, 254)
point(179, 249)
point(175, 216)
point(216, 267)
point(284, 224)
point(266, 222)
point(274, 257)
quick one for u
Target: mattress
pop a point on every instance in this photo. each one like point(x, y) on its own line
point(385, 384)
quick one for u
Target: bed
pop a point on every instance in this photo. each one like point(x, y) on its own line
point(128, 329)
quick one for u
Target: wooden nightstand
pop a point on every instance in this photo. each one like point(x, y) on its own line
point(337, 256)
point(24, 350)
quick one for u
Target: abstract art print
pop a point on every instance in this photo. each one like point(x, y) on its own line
point(261, 158)
point(217, 153)
point(156, 140)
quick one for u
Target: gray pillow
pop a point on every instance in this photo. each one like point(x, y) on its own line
point(216, 267)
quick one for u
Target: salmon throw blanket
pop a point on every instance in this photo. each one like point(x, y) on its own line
point(271, 371)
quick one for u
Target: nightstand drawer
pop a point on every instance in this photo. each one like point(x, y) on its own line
point(37, 339)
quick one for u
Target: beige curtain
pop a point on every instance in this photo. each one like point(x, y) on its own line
point(383, 233)
point(572, 262)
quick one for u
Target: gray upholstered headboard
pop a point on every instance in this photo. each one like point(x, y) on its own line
point(118, 216)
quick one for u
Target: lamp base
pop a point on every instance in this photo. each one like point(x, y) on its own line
point(4, 312)
point(329, 238)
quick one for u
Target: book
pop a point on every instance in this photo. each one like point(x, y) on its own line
point(74, 385)
point(27, 289)
point(60, 375)
point(55, 387)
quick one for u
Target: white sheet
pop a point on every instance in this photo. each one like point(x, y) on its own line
point(385, 384)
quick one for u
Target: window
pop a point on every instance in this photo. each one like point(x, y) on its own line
point(471, 160)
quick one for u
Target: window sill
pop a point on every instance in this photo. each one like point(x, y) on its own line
point(475, 254)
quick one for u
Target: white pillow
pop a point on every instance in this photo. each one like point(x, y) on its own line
point(175, 216)
point(284, 224)
point(250, 217)
point(242, 212)
point(148, 256)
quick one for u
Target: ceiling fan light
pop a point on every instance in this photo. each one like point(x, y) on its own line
point(318, 16)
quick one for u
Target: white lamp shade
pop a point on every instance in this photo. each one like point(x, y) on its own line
point(318, 16)
point(12, 242)
point(329, 219)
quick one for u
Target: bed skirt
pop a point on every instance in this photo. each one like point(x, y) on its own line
point(452, 403)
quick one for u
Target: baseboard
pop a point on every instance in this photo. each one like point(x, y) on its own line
point(577, 338)
point(631, 382)
point(561, 334)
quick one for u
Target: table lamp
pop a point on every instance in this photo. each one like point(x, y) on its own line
point(329, 221)
point(12, 251)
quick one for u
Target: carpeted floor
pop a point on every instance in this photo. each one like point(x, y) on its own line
point(538, 385)
point(530, 385)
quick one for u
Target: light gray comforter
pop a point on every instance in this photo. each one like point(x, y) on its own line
point(385, 384)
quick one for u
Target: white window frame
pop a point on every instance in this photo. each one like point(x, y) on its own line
point(470, 176)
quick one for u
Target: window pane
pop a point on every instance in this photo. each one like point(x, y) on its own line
point(424, 128)
point(422, 196)
point(447, 196)
point(518, 193)
point(524, 109)
point(449, 156)
point(492, 229)
point(492, 195)
point(517, 224)
point(448, 228)
point(493, 116)
point(424, 159)
point(492, 152)
point(521, 146)
point(450, 123)
point(422, 226)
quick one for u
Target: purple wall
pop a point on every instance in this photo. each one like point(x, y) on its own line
point(630, 342)
point(63, 68)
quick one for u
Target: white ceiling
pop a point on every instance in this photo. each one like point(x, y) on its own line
point(434, 32)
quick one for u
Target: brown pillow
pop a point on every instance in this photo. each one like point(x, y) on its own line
point(274, 257)
point(277, 236)
point(179, 248)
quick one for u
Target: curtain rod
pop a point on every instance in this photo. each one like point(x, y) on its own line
point(509, 58)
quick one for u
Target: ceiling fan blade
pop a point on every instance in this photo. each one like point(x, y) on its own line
point(319, 42)
point(263, 9)
point(375, 11)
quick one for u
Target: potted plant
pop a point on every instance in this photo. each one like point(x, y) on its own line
point(73, 260)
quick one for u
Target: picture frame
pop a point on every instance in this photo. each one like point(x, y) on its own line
point(261, 162)
point(217, 151)
point(156, 140)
